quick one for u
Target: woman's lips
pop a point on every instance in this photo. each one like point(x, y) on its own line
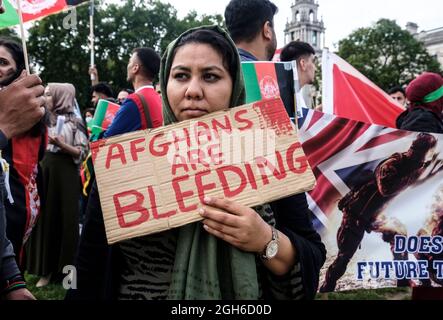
point(193, 113)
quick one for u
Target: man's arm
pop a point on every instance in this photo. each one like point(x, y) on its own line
point(126, 120)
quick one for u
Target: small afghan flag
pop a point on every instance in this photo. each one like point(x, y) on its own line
point(103, 117)
point(267, 80)
point(32, 10)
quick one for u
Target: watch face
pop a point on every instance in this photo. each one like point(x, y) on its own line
point(272, 249)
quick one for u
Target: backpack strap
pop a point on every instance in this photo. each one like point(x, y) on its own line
point(146, 110)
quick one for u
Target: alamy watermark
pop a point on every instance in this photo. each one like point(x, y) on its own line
point(70, 280)
point(200, 145)
point(70, 21)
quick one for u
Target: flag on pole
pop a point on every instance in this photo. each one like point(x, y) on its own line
point(103, 117)
point(267, 80)
point(32, 10)
point(92, 37)
point(349, 94)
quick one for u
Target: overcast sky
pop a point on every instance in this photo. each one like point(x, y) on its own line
point(341, 17)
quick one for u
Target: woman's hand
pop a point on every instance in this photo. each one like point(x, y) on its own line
point(56, 141)
point(59, 141)
point(236, 224)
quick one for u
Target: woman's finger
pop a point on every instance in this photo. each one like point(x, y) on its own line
point(222, 236)
point(222, 228)
point(221, 217)
point(227, 205)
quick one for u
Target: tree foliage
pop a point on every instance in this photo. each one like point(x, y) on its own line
point(387, 54)
point(64, 56)
point(9, 33)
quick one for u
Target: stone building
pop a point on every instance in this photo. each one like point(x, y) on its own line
point(305, 24)
point(433, 40)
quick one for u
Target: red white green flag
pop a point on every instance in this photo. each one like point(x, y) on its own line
point(103, 117)
point(32, 10)
point(267, 80)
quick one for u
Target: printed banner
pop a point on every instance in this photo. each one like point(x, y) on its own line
point(154, 180)
point(378, 203)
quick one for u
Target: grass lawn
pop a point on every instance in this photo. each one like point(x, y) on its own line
point(49, 292)
point(56, 292)
point(377, 294)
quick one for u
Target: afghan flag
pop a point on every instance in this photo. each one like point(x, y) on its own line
point(267, 80)
point(103, 117)
point(349, 94)
point(32, 10)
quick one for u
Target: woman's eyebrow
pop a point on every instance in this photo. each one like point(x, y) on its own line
point(210, 68)
point(205, 69)
point(182, 68)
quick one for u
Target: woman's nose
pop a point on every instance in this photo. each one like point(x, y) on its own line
point(194, 90)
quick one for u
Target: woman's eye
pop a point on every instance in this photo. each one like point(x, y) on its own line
point(210, 77)
point(4, 62)
point(181, 76)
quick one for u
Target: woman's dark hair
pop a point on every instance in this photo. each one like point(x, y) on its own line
point(218, 43)
point(16, 51)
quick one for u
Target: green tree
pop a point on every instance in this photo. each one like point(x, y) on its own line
point(387, 54)
point(63, 55)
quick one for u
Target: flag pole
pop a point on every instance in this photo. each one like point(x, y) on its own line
point(91, 36)
point(23, 36)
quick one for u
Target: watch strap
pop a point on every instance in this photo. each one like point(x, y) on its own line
point(274, 238)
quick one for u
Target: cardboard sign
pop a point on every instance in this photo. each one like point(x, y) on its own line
point(154, 180)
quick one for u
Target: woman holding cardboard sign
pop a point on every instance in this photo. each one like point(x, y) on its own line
point(271, 252)
point(201, 74)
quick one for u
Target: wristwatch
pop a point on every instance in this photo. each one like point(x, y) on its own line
point(271, 248)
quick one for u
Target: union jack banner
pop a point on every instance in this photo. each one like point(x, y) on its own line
point(378, 203)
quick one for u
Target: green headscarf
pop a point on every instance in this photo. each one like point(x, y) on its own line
point(238, 96)
point(206, 267)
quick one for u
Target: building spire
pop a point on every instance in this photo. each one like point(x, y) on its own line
point(305, 24)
